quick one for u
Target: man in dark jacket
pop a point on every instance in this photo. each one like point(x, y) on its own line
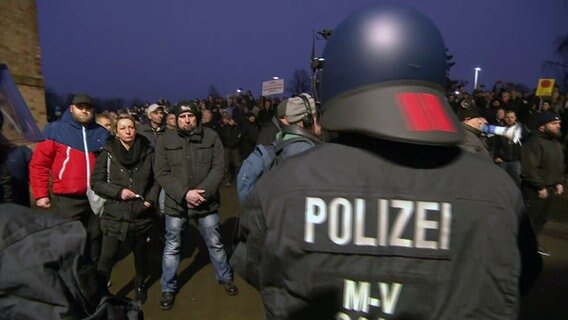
point(16, 159)
point(14, 172)
point(230, 134)
point(391, 219)
point(208, 120)
point(153, 130)
point(157, 126)
point(189, 166)
point(270, 129)
point(473, 141)
point(542, 169)
point(249, 131)
point(507, 153)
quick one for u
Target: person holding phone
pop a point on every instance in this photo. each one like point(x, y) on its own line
point(124, 176)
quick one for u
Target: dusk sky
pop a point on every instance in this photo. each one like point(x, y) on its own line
point(177, 48)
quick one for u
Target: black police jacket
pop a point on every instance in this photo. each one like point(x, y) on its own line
point(401, 232)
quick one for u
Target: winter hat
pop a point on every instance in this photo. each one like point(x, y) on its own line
point(296, 108)
point(468, 113)
point(186, 106)
point(547, 117)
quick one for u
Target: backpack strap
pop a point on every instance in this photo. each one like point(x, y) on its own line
point(269, 150)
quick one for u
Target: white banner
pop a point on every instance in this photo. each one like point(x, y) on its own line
point(272, 87)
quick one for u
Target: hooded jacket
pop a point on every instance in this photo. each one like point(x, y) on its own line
point(67, 155)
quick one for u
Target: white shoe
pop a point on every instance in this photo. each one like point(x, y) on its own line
point(543, 252)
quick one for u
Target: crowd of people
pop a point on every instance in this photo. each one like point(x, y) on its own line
point(530, 152)
point(237, 120)
point(241, 117)
point(161, 165)
point(138, 169)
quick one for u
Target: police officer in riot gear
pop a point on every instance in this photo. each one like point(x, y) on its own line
point(391, 219)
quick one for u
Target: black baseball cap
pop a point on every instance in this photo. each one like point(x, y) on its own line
point(82, 99)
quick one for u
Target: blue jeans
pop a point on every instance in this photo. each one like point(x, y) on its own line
point(513, 168)
point(209, 229)
point(162, 202)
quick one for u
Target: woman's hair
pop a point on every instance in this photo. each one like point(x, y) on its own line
point(121, 117)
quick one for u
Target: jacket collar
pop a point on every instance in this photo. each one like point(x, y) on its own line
point(545, 136)
point(472, 130)
point(146, 146)
point(195, 136)
point(161, 128)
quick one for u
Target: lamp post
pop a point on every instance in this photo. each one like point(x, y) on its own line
point(476, 77)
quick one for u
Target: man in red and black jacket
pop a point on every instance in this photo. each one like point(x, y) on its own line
point(67, 157)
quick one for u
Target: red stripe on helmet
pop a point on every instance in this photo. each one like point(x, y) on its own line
point(438, 114)
point(424, 112)
point(413, 113)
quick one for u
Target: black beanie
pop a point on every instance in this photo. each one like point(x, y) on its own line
point(546, 117)
point(468, 113)
point(186, 106)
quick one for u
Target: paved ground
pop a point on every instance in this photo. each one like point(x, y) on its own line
point(201, 298)
point(547, 300)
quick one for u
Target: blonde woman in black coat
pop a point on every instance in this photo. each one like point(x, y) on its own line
point(131, 194)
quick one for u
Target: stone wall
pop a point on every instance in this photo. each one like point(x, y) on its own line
point(20, 51)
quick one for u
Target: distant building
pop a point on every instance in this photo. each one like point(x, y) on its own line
point(20, 50)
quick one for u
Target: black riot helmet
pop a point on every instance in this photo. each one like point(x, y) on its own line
point(383, 76)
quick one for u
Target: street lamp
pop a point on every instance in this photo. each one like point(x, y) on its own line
point(275, 78)
point(476, 77)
